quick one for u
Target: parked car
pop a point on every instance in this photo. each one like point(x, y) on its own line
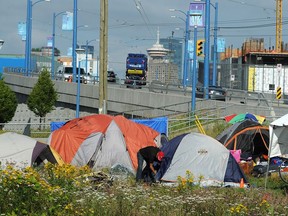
point(65, 73)
point(214, 92)
point(111, 76)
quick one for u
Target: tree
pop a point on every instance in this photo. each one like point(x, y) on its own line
point(8, 103)
point(43, 96)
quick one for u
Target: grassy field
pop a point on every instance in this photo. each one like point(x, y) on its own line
point(67, 190)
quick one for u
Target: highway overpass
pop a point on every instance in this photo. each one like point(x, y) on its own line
point(143, 102)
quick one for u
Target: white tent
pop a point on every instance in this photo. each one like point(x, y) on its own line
point(278, 141)
point(22, 151)
point(278, 132)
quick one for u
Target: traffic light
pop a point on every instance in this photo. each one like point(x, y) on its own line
point(200, 47)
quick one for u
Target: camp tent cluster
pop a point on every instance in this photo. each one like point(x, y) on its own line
point(107, 141)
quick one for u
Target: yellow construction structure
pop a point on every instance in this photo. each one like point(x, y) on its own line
point(278, 25)
point(199, 125)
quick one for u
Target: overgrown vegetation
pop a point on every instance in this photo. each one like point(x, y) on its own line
point(67, 190)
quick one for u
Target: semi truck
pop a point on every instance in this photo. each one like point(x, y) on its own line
point(136, 69)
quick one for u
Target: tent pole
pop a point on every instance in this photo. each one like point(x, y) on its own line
point(269, 152)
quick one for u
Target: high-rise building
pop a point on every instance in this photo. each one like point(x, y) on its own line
point(175, 56)
point(159, 66)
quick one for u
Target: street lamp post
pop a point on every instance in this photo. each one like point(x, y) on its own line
point(53, 44)
point(215, 57)
point(206, 49)
point(74, 46)
point(29, 34)
point(78, 52)
point(86, 53)
point(187, 37)
point(193, 99)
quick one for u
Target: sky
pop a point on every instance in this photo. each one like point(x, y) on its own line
point(133, 24)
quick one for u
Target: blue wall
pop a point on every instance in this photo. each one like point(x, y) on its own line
point(11, 62)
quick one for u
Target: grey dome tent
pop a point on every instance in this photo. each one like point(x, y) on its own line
point(203, 156)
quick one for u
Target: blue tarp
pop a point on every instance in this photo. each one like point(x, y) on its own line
point(56, 125)
point(159, 124)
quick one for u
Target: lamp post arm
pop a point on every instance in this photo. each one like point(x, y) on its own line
point(177, 10)
point(38, 2)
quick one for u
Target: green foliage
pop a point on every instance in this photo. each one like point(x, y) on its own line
point(8, 102)
point(67, 190)
point(43, 96)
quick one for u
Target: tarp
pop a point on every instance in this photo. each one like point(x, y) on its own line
point(203, 156)
point(159, 124)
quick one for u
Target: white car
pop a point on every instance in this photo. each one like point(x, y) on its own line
point(65, 73)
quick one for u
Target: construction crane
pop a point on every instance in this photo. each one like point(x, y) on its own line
point(279, 25)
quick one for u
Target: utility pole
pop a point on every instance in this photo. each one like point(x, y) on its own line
point(103, 56)
point(278, 26)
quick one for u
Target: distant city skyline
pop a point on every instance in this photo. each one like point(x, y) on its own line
point(133, 24)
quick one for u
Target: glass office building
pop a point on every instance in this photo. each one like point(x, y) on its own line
point(175, 45)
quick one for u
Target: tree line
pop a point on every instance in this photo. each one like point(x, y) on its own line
point(40, 101)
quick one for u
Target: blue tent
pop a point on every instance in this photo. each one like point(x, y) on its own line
point(204, 157)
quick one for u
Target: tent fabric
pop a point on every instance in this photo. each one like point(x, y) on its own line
point(234, 118)
point(249, 136)
point(23, 151)
point(102, 141)
point(203, 156)
point(67, 140)
point(278, 130)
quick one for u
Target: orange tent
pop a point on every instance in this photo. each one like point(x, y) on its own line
point(102, 141)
